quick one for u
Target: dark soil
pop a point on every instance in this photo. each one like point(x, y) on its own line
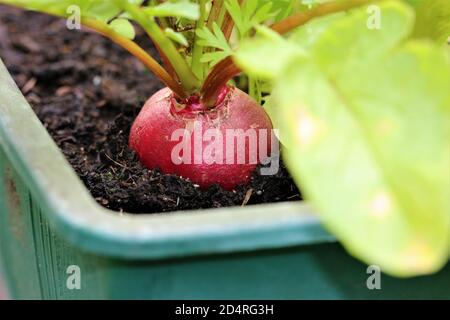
point(87, 91)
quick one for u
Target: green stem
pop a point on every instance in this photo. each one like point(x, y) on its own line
point(254, 87)
point(197, 51)
point(188, 80)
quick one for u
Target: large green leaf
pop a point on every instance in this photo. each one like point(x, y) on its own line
point(433, 19)
point(370, 149)
point(309, 34)
point(364, 117)
point(348, 41)
point(367, 140)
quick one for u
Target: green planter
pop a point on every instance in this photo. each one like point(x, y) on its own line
point(49, 222)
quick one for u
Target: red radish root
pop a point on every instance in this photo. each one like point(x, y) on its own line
point(205, 155)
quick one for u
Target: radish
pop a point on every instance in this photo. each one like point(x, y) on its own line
point(236, 112)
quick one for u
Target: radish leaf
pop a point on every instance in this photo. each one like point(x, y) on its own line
point(433, 19)
point(182, 9)
point(123, 27)
point(176, 36)
point(363, 114)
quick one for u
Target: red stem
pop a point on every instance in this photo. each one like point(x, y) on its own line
point(226, 70)
point(166, 63)
point(228, 23)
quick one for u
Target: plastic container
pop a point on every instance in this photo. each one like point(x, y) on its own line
point(49, 222)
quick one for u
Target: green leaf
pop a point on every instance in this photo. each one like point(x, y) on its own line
point(365, 121)
point(136, 2)
point(213, 58)
point(250, 14)
point(284, 8)
point(370, 150)
point(176, 36)
point(123, 27)
point(215, 40)
point(265, 56)
point(348, 41)
point(182, 9)
point(433, 20)
point(49, 6)
point(101, 10)
point(367, 140)
point(331, 39)
point(308, 35)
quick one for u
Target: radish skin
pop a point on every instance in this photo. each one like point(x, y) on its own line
point(152, 138)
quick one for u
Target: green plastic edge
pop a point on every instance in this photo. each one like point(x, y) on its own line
point(78, 218)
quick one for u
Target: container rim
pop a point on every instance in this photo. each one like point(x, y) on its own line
point(76, 216)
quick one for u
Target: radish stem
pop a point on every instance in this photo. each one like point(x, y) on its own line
point(138, 52)
point(187, 78)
